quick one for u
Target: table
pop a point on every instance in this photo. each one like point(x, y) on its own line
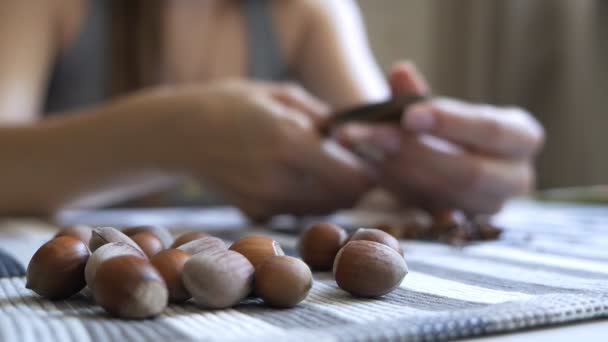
point(549, 270)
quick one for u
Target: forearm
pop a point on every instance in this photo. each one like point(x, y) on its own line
point(348, 74)
point(99, 156)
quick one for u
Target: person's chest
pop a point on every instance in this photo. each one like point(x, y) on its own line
point(203, 41)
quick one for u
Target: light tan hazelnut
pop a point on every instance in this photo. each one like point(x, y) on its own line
point(207, 244)
point(218, 280)
point(104, 235)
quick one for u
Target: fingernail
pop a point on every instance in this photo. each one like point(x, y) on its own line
point(419, 120)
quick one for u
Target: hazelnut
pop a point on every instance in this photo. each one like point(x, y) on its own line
point(104, 235)
point(56, 270)
point(393, 229)
point(207, 244)
point(257, 248)
point(187, 237)
point(446, 220)
point(148, 242)
point(379, 236)
point(488, 231)
point(368, 269)
point(283, 281)
point(161, 232)
point(170, 264)
point(80, 232)
point(130, 287)
point(319, 244)
point(218, 280)
point(104, 253)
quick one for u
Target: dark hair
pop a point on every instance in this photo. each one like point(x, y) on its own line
point(135, 44)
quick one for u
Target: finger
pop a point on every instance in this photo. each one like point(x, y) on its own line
point(301, 100)
point(372, 142)
point(336, 168)
point(431, 166)
point(275, 111)
point(508, 132)
point(298, 194)
point(405, 79)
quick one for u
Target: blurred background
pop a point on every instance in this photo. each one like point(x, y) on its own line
point(548, 56)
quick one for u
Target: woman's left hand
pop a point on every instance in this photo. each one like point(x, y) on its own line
point(448, 153)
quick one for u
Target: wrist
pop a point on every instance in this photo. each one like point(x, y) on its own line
point(175, 125)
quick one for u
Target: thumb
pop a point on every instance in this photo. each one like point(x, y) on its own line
point(405, 79)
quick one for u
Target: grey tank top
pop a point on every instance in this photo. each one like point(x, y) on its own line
point(79, 77)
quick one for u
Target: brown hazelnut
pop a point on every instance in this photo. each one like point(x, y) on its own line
point(319, 244)
point(283, 281)
point(379, 236)
point(170, 264)
point(161, 232)
point(80, 232)
point(207, 244)
point(107, 252)
point(218, 280)
point(257, 248)
point(104, 235)
point(446, 220)
point(396, 230)
point(130, 287)
point(187, 237)
point(56, 270)
point(368, 269)
point(486, 230)
point(148, 242)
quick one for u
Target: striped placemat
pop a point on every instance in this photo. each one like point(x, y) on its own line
point(551, 267)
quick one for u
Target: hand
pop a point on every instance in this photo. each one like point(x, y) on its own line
point(450, 154)
point(259, 147)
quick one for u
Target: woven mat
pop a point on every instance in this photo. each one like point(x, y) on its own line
point(551, 267)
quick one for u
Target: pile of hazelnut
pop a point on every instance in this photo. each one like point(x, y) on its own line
point(449, 226)
point(369, 263)
point(136, 272)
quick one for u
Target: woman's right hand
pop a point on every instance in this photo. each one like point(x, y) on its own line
point(258, 145)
